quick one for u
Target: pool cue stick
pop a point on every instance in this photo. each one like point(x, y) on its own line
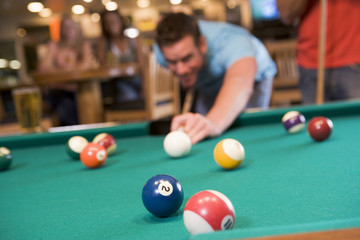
point(321, 53)
point(188, 100)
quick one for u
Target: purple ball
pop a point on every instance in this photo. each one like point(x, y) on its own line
point(293, 121)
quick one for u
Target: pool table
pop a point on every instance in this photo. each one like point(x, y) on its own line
point(289, 186)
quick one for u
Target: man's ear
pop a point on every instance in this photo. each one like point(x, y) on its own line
point(203, 45)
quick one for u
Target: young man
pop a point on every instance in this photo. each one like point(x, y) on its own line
point(229, 69)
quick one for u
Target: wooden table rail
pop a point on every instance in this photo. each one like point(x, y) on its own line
point(119, 70)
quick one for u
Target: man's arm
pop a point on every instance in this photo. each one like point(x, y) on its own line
point(234, 94)
point(291, 10)
point(232, 99)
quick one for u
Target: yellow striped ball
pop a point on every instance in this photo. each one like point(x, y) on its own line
point(229, 153)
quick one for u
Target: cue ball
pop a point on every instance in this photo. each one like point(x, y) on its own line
point(293, 121)
point(229, 153)
point(5, 158)
point(208, 211)
point(319, 128)
point(93, 155)
point(108, 141)
point(177, 144)
point(162, 195)
point(75, 145)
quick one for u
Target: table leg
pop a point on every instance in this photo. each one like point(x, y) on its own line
point(89, 102)
point(2, 109)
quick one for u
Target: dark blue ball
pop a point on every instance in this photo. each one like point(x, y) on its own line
point(162, 195)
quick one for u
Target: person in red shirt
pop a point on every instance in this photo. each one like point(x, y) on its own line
point(342, 47)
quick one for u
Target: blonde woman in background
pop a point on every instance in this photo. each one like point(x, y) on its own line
point(71, 52)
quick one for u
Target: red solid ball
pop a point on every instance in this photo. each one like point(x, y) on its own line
point(319, 128)
point(93, 155)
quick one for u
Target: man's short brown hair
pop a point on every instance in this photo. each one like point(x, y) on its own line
point(174, 27)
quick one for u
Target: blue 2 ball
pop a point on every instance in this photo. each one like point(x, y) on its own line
point(162, 195)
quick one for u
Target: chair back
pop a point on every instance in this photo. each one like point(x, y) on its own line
point(286, 82)
point(162, 90)
point(161, 95)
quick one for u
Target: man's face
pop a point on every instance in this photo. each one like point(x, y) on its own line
point(185, 59)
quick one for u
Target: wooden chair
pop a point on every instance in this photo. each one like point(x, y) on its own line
point(161, 96)
point(286, 83)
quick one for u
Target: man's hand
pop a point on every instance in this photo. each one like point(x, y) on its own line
point(232, 99)
point(196, 126)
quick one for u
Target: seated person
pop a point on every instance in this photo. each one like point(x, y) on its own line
point(71, 52)
point(114, 47)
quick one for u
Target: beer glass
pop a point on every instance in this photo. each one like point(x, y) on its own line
point(28, 106)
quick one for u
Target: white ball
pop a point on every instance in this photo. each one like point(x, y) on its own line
point(177, 144)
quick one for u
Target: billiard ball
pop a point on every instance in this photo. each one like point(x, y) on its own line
point(107, 141)
point(319, 128)
point(5, 158)
point(208, 211)
point(229, 153)
point(93, 155)
point(75, 145)
point(293, 121)
point(162, 195)
point(177, 144)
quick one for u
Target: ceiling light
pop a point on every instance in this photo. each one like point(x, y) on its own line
point(78, 9)
point(131, 32)
point(111, 6)
point(46, 12)
point(104, 2)
point(35, 7)
point(88, 1)
point(15, 64)
point(95, 17)
point(3, 63)
point(175, 2)
point(21, 32)
point(143, 3)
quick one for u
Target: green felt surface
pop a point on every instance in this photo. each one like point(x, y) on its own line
point(287, 183)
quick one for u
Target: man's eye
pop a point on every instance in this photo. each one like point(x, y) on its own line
point(186, 59)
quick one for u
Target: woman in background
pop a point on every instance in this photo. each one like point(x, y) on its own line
point(69, 53)
point(114, 47)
